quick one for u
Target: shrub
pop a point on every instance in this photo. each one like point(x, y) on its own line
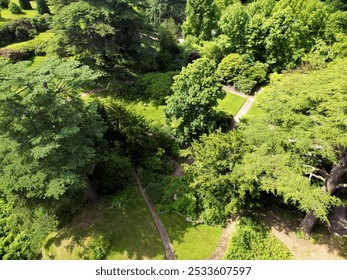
point(252, 241)
point(97, 248)
point(229, 68)
point(4, 3)
point(14, 8)
point(41, 22)
point(42, 7)
point(25, 4)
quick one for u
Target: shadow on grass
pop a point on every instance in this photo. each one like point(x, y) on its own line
point(130, 231)
point(289, 222)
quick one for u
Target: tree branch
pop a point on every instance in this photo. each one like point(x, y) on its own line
point(341, 186)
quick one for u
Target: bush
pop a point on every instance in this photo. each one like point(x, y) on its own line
point(42, 7)
point(4, 3)
point(252, 241)
point(14, 8)
point(25, 4)
point(97, 248)
point(41, 22)
point(229, 68)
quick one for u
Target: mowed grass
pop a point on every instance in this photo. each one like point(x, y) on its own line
point(6, 15)
point(254, 111)
point(129, 227)
point(149, 111)
point(191, 242)
point(231, 104)
point(42, 38)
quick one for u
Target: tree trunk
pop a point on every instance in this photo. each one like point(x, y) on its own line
point(330, 186)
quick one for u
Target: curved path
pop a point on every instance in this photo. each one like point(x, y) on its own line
point(165, 239)
point(222, 246)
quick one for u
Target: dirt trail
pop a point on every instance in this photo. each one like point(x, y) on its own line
point(284, 227)
point(165, 239)
point(222, 246)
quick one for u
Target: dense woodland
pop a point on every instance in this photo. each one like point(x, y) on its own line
point(95, 91)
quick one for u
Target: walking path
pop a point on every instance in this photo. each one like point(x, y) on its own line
point(222, 246)
point(244, 109)
point(165, 239)
point(284, 227)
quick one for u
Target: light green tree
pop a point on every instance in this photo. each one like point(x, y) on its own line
point(195, 93)
point(202, 17)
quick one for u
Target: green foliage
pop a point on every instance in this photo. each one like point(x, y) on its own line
point(159, 10)
point(209, 176)
point(25, 4)
point(154, 87)
point(42, 7)
point(14, 8)
point(106, 34)
point(229, 68)
point(98, 248)
point(201, 19)
point(196, 91)
point(252, 241)
point(4, 3)
point(45, 151)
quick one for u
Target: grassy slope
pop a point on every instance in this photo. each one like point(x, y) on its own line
point(42, 38)
point(6, 15)
point(131, 228)
point(191, 242)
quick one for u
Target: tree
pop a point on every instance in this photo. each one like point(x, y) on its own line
point(230, 67)
point(48, 137)
point(201, 19)
point(233, 23)
point(42, 7)
point(195, 92)
point(14, 8)
point(106, 34)
point(210, 177)
point(299, 144)
point(159, 10)
point(25, 4)
point(296, 150)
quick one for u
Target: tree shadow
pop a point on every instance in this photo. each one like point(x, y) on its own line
point(128, 232)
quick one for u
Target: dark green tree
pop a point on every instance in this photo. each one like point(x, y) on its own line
point(25, 4)
point(105, 34)
point(195, 93)
point(48, 137)
point(42, 7)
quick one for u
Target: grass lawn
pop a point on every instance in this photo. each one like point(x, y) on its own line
point(128, 227)
point(254, 111)
point(42, 38)
point(6, 15)
point(148, 111)
point(191, 242)
point(231, 104)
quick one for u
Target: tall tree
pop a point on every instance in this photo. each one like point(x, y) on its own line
point(202, 16)
point(42, 7)
point(195, 93)
point(105, 34)
point(47, 145)
point(25, 4)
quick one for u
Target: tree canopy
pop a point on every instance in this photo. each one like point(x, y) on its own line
point(195, 93)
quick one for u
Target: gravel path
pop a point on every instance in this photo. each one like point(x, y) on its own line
point(222, 246)
point(165, 239)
